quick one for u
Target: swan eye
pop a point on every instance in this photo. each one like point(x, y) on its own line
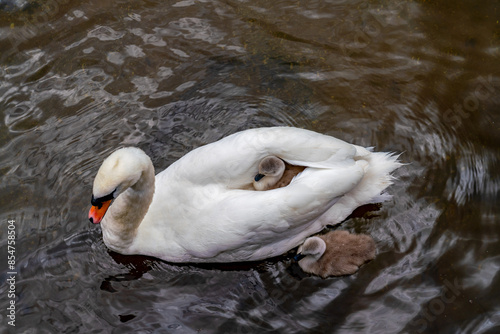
point(99, 201)
point(258, 177)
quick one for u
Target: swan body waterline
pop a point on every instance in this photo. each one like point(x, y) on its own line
point(335, 253)
point(202, 208)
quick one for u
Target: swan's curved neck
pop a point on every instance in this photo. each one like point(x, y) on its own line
point(124, 216)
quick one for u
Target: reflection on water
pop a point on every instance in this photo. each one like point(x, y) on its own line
point(78, 80)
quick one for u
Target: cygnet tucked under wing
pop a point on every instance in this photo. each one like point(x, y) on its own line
point(275, 173)
point(336, 253)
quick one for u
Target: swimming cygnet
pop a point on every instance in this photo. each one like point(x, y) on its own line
point(336, 253)
point(275, 173)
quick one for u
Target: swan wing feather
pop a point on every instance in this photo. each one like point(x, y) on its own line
point(234, 160)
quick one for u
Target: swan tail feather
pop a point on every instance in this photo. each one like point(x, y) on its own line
point(371, 189)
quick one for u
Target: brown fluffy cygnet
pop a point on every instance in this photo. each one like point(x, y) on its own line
point(336, 253)
point(275, 173)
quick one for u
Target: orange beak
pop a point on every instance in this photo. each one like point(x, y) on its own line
point(97, 213)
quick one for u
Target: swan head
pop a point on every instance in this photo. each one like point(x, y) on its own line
point(271, 170)
point(120, 171)
point(311, 250)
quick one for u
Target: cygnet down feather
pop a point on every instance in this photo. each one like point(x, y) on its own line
point(336, 253)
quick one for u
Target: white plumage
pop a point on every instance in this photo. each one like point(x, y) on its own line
point(203, 207)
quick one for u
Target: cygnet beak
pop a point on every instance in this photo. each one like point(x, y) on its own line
point(299, 257)
point(258, 177)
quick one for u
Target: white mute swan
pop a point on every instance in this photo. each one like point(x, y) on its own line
point(275, 173)
point(201, 208)
point(335, 253)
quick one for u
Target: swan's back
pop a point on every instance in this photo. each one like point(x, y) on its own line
point(233, 160)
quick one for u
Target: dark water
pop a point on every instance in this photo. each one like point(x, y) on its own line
point(80, 78)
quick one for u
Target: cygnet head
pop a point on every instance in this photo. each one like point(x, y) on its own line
point(335, 253)
point(119, 172)
point(311, 250)
point(271, 170)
